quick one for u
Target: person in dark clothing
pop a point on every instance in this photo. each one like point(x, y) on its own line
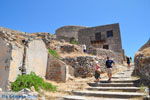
point(109, 68)
point(130, 59)
point(128, 62)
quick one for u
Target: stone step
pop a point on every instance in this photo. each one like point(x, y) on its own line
point(117, 81)
point(87, 98)
point(111, 84)
point(121, 73)
point(122, 77)
point(109, 94)
point(124, 89)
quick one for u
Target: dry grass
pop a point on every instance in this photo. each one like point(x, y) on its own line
point(67, 87)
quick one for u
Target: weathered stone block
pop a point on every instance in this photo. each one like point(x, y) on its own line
point(15, 62)
point(10, 61)
point(36, 57)
point(5, 56)
point(57, 70)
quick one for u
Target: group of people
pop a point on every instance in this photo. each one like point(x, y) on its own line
point(109, 64)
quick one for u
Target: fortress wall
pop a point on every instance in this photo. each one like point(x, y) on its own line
point(114, 42)
point(67, 32)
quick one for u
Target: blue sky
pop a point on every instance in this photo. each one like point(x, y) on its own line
point(48, 15)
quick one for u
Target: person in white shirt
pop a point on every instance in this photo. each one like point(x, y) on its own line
point(84, 47)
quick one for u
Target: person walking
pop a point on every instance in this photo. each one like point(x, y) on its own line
point(109, 68)
point(128, 62)
point(84, 48)
point(97, 71)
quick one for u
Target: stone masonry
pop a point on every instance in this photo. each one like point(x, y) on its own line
point(83, 65)
point(103, 53)
point(57, 70)
point(68, 32)
point(16, 53)
point(105, 37)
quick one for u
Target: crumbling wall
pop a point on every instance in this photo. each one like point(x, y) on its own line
point(15, 61)
point(88, 36)
point(85, 36)
point(68, 32)
point(5, 56)
point(57, 70)
point(84, 65)
point(103, 53)
point(15, 54)
point(36, 57)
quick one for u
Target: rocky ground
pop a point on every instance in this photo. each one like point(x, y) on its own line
point(142, 64)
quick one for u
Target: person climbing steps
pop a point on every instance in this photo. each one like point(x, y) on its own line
point(109, 68)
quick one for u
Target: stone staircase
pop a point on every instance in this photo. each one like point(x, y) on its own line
point(122, 87)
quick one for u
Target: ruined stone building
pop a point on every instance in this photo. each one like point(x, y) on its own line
point(29, 51)
point(68, 32)
point(106, 36)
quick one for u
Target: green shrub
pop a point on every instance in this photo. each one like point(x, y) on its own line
point(142, 87)
point(53, 53)
point(29, 80)
point(74, 42)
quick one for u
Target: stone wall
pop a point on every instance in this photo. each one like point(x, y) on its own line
point(5, 56)
point(85, 36)
point(142, 63)
point(68, 48)
point(103, 53)
point(83, 65)
point(15, 62)
point(57, 70)
point(68, 32)
point(13, 56)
